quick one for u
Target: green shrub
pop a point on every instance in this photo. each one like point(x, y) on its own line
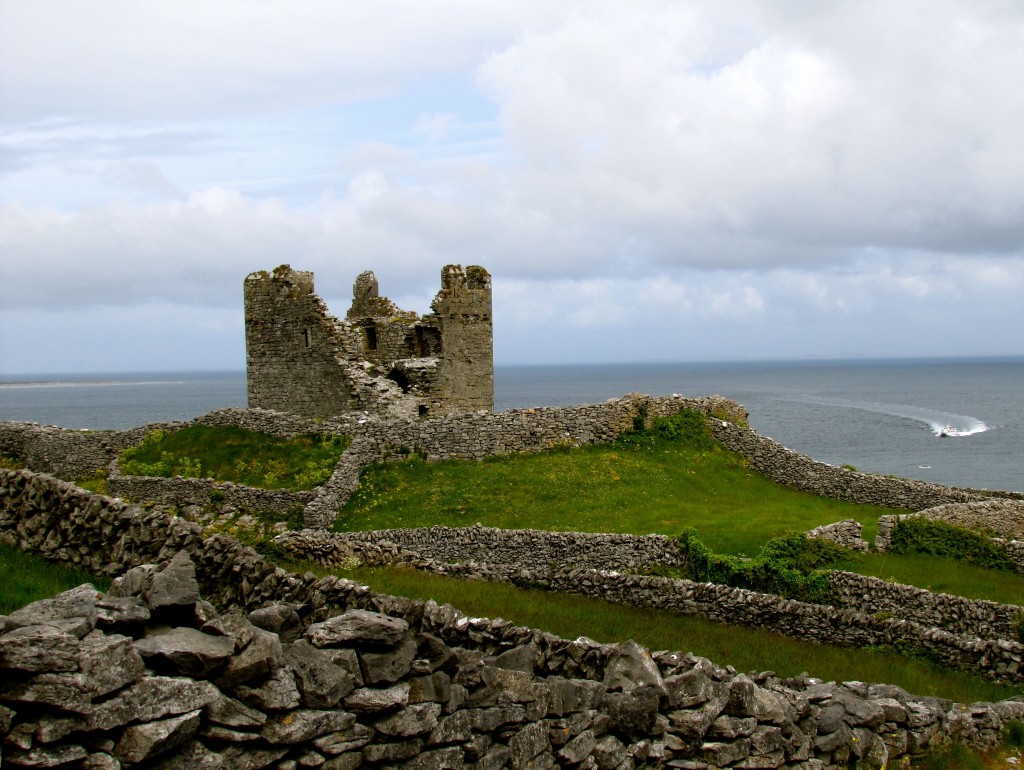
point(688, 427)
point(795, 567)
point(940, 538)
point(1013, 733)
point(11, 462)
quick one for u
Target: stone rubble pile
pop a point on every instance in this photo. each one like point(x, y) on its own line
point(152, 676)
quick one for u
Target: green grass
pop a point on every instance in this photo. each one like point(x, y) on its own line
point(228, 453)
point(744, 648)
point(665, 487)
point(942, 575)
point(28, 578)
point(11, 462)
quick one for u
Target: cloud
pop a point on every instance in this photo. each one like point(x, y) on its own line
point(757, 174)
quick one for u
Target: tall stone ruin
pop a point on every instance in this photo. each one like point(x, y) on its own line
point(379, 358)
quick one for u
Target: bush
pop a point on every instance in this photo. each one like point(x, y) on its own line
point(688, 427)
point(940, 538)
point(795, 567)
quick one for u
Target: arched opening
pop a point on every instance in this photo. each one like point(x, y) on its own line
point(399, 377)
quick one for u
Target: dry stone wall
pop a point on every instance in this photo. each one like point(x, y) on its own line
point(973, 635)
point(286, 671)
point(70, 454)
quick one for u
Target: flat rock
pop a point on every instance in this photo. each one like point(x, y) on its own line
point(39, 648)
point(78, 603)
point(141, 742)
point(629, 666)
point(410, 721)
point(360, 627)
point(371, 700)
point(151, 698)
point(109, 662)
point(281, 619)
point(232, 713)
point(305, 725)
point(278, 692)
point(186, 651)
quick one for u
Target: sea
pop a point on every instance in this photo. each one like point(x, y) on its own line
point(952, 421)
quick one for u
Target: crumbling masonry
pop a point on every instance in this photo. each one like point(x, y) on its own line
point(379, 359)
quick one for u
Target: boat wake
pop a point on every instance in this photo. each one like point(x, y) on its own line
point(944, 424)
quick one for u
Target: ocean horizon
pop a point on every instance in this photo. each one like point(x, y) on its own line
point(955, 421)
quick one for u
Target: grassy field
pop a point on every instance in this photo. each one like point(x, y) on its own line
point(664, 488)
point(27, 578)
point(744, 648)
point(229, 453)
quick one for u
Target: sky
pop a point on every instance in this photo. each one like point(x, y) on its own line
point(646, 181)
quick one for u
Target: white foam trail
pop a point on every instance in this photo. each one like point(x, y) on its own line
point(940, 423)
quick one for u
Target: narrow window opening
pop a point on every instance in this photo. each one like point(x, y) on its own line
point(423, 410)
point(305, 338)
point(371, 336)
point(422, 349)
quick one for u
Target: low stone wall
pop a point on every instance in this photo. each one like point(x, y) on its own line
point(798, 471)
point(528, 548)
point(285, 674)
point(977, 636)
point(972, 515)
point(846, 533)
point(71, 454)
point(181, 492)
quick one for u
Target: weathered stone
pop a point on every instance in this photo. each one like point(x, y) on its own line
point(186, 651)
point(51, 729)
point(226, 734)
point(349, 761)
point(355, 737)
point(369, 700)
point(504, 686)
point(232, 713)
point(141, 742)
point(435, 687)
point(109, 662)
point(280, 619)
point(46, 756)
point(233, 624)
point(633, 712)
point(360, 627)
point(692, 688)
point(262, 655)
point(321, 683)
point(392, 752)
point(277, 692)
point(39, 648)
point(151, 698)
point(609, 752)
point(175, 586)
point(99, 761)
point(69, 691)
point(193, 755)
point(299, 726)
point(831, 741)
point(859, 712)
point(389, 666)
point(439, 759)
point(78, 603)
point(527, 744)
point(245, 757)
point(454, 728)
point(579, 748)
point(522, 658)
point(496, 758)
point(410, 721)
point(431, 649)
point(121, 613)
point(721, 754)
point(630, 666)
point(729, 728)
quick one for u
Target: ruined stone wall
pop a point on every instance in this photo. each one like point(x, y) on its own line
point(463, 307)
point(380, 358)
point(295, 351)
point(289, 670)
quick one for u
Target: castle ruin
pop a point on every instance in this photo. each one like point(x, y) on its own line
point(379, 358)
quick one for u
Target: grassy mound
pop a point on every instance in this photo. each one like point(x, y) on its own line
point(27, 578)
point(228, 453)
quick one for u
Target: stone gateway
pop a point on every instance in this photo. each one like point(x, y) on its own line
point(379, 359)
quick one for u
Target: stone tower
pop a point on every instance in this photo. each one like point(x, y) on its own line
point(379, 359)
